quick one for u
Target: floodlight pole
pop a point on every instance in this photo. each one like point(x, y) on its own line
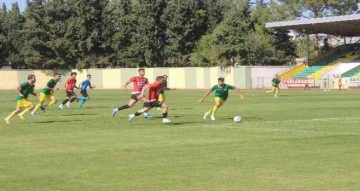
point(308, 49)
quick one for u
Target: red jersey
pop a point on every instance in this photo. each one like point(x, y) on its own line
point(70, 84)
point(154, 90)
point(138, 82)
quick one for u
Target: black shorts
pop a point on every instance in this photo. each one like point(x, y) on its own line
point(151, 104)
point(135, 96)
point(70, 94)
point(84, 93)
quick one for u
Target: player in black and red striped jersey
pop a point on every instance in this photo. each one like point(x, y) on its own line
point(153, 101)
point(139, 82)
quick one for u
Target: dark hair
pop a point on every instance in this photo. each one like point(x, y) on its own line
point(73, 73)
point(88, 75)
point(143, 69)
point(159, 78)
point(57, 73)
point(221, 79)
point(31, 76)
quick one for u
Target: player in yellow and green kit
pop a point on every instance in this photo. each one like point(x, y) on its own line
point(23, 91)
point(221, 95)
point(275, 85)
point(47, 93)
point(161, 96)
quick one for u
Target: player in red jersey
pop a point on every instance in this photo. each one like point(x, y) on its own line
point(153, 100)
point(69, 88)
point(139, 82)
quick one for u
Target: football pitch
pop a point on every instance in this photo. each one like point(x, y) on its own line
point(299, 141)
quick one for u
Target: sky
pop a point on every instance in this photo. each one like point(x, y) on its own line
point(22, 3)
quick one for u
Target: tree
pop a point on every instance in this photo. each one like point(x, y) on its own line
point(4, 49)
point(149, 39)
point(123, 41)
point(13, 30)
point(186, 22)
point(88, 29)
point(229, 39)
point(320, 8)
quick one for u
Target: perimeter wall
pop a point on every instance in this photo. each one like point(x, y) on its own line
point(245, 77)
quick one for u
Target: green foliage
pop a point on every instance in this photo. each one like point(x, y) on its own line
point(65, 34)
point(320, 8)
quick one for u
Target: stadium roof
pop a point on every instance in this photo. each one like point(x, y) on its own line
point(348, 25)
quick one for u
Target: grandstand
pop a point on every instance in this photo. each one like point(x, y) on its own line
point(341, 61)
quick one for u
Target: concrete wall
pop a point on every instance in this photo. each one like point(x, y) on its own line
point(244, 77)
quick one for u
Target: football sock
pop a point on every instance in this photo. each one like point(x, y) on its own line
point(65, 101)
point(25, 110)
point(165, 115)
point(214, 110)
point(11, 114)
point(73, 99)
point(37, 107)
point(83, 102)
point(51, 103)
point(210, 111)
point(137, 113)
point(123, 107)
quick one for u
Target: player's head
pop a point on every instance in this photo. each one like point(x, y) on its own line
point(73, 74)
point(57, 76)
point(159, 78)
point(141, 72)
point(165, 77)
point(31, 78)
point(88, 77)
point(221, 81)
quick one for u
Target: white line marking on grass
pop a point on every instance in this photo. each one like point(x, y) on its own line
point(314, 119)
point(302, 120)
point(295, 131)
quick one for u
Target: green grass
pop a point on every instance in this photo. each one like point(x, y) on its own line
point(299, 141)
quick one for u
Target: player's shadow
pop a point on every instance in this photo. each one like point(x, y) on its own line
point(57, 121)
point(173, 116)
point(181, 123)
point(80, 114)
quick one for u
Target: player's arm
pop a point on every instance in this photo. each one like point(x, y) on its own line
point(18, 90)
point(239, 93)
point(128, 82)
point(143, 91)
point(91, 86)
point(206, 94)
point(126, 85)
point(48, 87)
point(33, 93)
point(79, 85)
point(66, 85)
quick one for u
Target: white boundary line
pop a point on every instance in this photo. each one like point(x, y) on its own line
point(295, 131)
point(300, 120)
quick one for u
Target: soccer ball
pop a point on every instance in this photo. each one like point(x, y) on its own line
point(237, 119)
